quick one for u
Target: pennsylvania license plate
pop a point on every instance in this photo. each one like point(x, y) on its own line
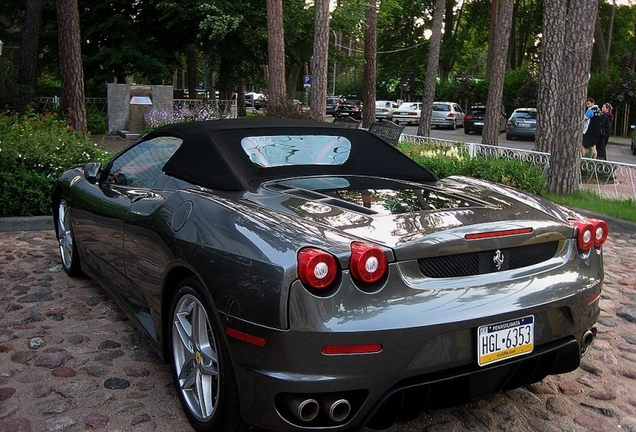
point(504, 340)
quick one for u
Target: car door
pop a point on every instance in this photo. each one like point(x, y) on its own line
point(126, 185)
point(459, 114)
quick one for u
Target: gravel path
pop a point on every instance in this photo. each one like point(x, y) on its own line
point(70, 360)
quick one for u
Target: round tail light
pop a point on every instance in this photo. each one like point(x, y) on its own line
point(584, 235)
point(368, 263)
point(601, 231)
point(316, 268)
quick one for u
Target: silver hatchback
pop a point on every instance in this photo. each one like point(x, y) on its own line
point(447, 114)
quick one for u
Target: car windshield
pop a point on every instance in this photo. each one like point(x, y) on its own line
point(287, 150)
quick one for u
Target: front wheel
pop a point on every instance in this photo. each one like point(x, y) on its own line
point(66, 240)
point(201, 366)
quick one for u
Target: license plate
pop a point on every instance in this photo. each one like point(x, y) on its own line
point(504, 340)
point(479, 123)
point(525, 125)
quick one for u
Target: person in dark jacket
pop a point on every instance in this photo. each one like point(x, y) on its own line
point(592, 129)
point(606, 131)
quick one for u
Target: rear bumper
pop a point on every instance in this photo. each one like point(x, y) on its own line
point(416, 363)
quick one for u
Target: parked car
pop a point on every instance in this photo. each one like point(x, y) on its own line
point(332, 105)
point(408, 112)
point(350, 108)
point(522, 123)
point(475, 117)
point(251, 97)
point(447, 114)
point(296, 284)
point(384, 109)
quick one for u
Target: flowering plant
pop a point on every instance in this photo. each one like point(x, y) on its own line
point(160, 117)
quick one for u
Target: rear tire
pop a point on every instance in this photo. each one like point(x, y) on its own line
point(466, 130)
point(453, 126)
point(66, 240)
point(200, 362)
point(508, 137)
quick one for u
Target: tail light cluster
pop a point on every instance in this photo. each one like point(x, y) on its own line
point(590, 233)
point(318, 269)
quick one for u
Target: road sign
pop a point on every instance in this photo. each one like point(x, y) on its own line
point(307, 80)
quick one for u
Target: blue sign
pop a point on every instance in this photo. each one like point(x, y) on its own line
point(307, 80)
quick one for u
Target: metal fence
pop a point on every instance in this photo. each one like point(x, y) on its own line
point(227, 107)
point(53, 103)
point(611, 180)
point(101, 104)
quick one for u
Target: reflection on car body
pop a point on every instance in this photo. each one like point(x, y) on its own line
point(278, 267)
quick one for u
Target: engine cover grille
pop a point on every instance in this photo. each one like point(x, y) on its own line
point(491, 261)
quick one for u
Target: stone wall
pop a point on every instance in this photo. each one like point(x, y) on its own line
point(119, 96)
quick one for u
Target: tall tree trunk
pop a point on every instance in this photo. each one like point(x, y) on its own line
point(27, 74)
point(600, 46)
point(435, 42)
point(494, 10)
point(552, 55)
point(566, 123)
point(193, 70)
point(370, 64)
point(71, 70)
point(490, 133)
point(321, 60)
point(276, 51)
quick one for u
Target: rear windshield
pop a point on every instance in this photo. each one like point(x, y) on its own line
point(288, 150)
point(441, 107)
point(525, 114)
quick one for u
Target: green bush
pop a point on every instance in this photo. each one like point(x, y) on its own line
point(95, 121)
point(34, 151)
point(445, 160)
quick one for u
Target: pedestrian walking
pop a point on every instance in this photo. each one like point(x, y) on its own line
point(592, 129)
point(606, 130)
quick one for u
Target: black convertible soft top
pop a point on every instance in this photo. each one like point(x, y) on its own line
point(211, 154)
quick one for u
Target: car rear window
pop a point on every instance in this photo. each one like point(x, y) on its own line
point(525, 114)
point(288, 150)
point(441, 107)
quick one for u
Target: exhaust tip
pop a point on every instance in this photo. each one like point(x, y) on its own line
point(305, 410)
point(587, 339)
point(338, 410)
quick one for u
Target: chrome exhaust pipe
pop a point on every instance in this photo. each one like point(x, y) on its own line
point(305, 410)
point(587, 339)
point(337, 409)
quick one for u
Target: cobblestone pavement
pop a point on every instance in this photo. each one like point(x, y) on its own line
point(70, 360)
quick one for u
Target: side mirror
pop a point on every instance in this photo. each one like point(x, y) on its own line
point(91, 171)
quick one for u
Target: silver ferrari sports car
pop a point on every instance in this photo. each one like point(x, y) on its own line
point(301, 276)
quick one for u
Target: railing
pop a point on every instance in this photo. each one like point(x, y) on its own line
point(101, 104)
point(228, 107)
point(612, 180)
point(53, 103)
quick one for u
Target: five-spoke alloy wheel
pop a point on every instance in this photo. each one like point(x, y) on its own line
point(200, 362)
point(66, 240)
